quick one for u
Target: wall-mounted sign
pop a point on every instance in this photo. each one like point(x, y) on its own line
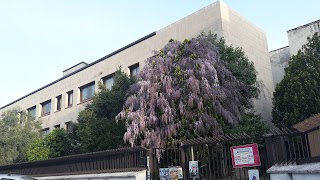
point(171, 173)
point(164, 173)
point(245, 156)
point(194, 169)
point(253, 174)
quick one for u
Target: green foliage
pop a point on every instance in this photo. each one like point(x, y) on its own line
point(240, 66)
point(251, 124)
point(18, 130)
point(38, 150)
point(97, 129)
point(297, 96)
point(58, 142)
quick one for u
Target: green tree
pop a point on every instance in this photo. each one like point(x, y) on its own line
point(251, 124)
point(18, 130)
point(297, 96)
point(38, 150)
point(59, 143)
point(56, 144)
point(97, 129)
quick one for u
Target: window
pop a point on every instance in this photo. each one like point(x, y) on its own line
point(108, 81)
point(58, 98)
point(45, 131)
point(32, 111)
point(86, 92)
point(45, 108)
point(69, 98)
point(68, 127)
point(57, 126)
point(134, 69)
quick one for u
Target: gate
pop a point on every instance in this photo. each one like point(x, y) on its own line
point(213, 154)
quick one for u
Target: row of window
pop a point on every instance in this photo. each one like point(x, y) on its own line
point(68, 128)
point(86, 93)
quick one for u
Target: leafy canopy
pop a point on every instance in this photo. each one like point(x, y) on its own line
point(56, 144)
point(18, 130)
point(97, 128)
point(297, 96)
point(186, 90)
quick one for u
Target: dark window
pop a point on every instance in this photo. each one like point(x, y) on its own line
point(68, 126)
point(59, 99)
point(32, 111)
point(87, 92)
point(134, 69)
point(108, 81)
point(69, 98)
point(45, 131)
point(45, 108)
point(57, 126)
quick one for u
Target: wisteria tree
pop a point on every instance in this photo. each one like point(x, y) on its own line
point(185, 91)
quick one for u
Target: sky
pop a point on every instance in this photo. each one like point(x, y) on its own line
point(39, 39)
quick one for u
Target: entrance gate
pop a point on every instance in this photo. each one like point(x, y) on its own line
point(214, 156)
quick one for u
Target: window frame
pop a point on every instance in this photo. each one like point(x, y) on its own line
point(69, 94)
point(42, 107)
point(92, 87)
point(59, 103)
point(134, 70)
point(108, 77)
point(29, 111)
point(46, 131)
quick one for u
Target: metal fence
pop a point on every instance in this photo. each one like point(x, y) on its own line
point(119, 160)
point(281, 146)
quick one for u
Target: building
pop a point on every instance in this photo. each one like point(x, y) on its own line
point(297, 37)
point(59, 102)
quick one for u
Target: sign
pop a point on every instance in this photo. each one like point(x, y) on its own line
point(253, 174)
point(171, 173)
point(194, 169)
point(164, 173)
point(245, 156)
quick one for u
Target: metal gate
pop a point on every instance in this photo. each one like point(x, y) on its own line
point(213, 154)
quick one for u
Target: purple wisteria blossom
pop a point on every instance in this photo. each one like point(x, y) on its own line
point(184, 91)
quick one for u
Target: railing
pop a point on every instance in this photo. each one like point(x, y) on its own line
point(119, 160)
point(282, 147)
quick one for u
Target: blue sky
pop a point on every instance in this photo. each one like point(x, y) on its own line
point(39, 39)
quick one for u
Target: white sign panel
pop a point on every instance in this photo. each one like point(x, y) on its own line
point(243, 156)
point(253, 174)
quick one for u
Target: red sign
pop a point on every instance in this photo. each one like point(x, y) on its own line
point(245, 156)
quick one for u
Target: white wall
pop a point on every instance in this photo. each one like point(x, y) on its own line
point(279, 59)
point(298, 36)
point(217, 17)
point(139, 175)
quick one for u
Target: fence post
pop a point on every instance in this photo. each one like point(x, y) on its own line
point(184, 162)
point(269, 150)
point(152, 164)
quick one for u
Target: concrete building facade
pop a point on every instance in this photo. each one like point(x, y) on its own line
point(297, 37)
point(59, 102)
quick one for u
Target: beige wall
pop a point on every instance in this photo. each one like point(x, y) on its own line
point(241, 33)
point(216, 17)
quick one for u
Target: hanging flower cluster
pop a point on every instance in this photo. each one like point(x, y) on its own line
point(183, 91)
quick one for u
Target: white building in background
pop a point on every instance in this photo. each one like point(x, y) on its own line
point(59, 102)
point(297, 37)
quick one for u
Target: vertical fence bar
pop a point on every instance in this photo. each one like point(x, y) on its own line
point(152, 164)
point(269, 150)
